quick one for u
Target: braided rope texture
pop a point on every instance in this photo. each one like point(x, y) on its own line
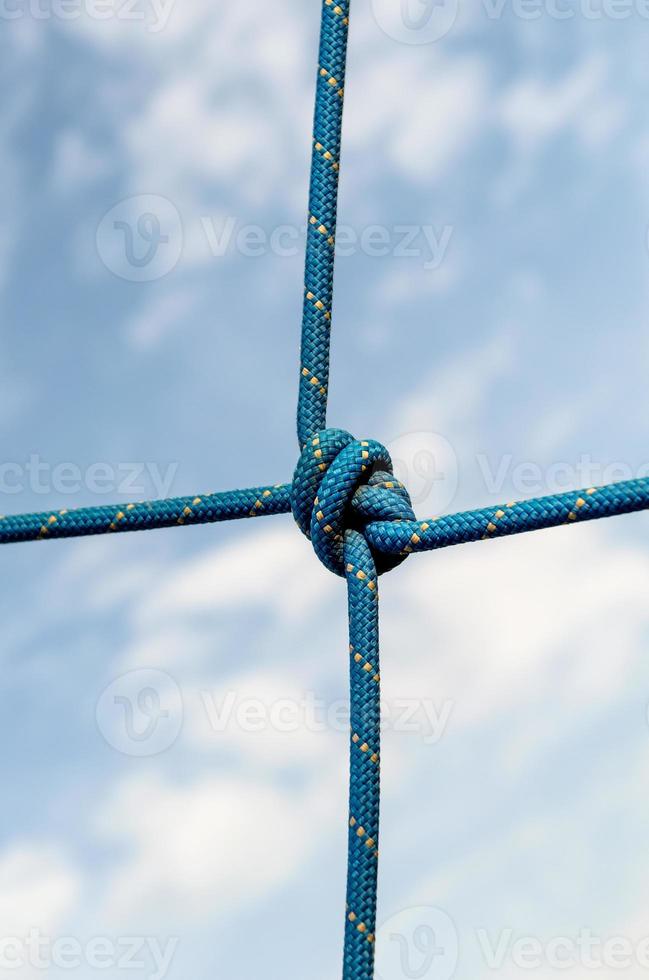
point(338, 481)
point(389, 534)
point(346, 500)
point(146, 516)
point(323, 206)
point(364, 758)
point(574, 507)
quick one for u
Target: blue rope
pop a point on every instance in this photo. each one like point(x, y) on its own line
point(512, 518)
point(390, 539)
point(323, 204)
point(345, 498)
point(364, 758)
point(146, 516)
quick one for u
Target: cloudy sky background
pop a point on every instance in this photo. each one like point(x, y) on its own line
point(505, 358)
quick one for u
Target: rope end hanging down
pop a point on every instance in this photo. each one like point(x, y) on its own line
point(364, 757)
point(340, 485)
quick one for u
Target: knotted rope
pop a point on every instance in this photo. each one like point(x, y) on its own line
point(345, 498)
point(342, 484)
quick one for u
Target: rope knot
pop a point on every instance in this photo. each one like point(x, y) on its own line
point(341, 484)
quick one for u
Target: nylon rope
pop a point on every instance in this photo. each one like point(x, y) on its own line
point(345, 499)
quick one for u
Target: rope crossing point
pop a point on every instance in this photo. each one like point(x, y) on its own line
point(345, 498)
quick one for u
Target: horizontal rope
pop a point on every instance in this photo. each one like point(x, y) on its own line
point(406, 537)
point(206, 508)
point(390, 537)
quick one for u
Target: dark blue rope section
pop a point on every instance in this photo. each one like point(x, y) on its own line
point(396, 537)
point(406, 537)
point(323, 206)
point(205, 508)
point(364, 758)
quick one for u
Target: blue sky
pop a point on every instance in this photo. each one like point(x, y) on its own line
point(503, 356)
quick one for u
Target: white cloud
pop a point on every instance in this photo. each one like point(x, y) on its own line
point(99, 577)
point(534, 111)
point(274, 569)
point(221, 112)
point(548, 871)
point(209, 846)
point(582, 104)
point(422, 136)
point(271, 718)
point(453, 393)
point(38, 888)
point(150, 27)
point(181, 643)
point(558, 616)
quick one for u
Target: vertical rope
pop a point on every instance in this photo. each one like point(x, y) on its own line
point(364, 781)
point(321, 232)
